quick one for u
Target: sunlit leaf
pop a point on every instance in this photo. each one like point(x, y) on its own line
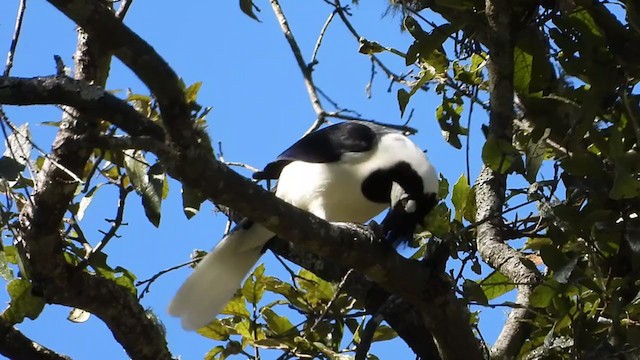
point(148, 182)
point(254, 287)
point(384, 333)
point(23, 303)
point(236, 307)
point(279, 325)
point(191, 93)
point(500, 155)
point(86, 200)
point(522, 65)
point(18, 145)
point(215, 330)
point(459, 196)
point(5, 271)
point(495, 285)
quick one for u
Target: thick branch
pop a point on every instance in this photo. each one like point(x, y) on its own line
point(15, 345)
point(403, 317)
point(92, 100)
point(490, 185)
point(437, 304)
point(350, 247)
point(40, 242)
point(97, 19)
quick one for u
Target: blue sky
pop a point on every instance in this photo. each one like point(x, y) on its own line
point(260, 106)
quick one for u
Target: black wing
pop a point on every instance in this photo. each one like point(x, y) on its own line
point(323, 146)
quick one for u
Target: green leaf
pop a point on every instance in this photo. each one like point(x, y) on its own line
point(126, 279)
point(403, 100)
point(553, 257)
point(426, 44)
point(22, 303)
point(236, 307)
point(470, 208)
point(537, 243)
point(384, 333)
point(443, 187)
point(215, 354)
point(318, 289)
point(500, 155)
point(215, 330)
point(369, 47)
point(191, 201)
point(247, 7)
point(86, 200)
point(459, 196)
point(191, 92)
point(543, 294)
point(535, 153)
point(10, 168)
point(438, 221)
point(472, 291)
point(254, 287)
point(279, 325)
point(522, 66)
point(495, 285)
point(5, 271)
point(448, 114)
point(563, 273)
point(18, 145)
point(625, 184)
point(148, 182)
point(153, 194)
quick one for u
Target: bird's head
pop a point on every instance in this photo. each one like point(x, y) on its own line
point(407, 211)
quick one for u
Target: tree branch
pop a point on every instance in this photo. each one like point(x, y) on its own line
point(403, 317)
point(15, 345)
point(350, 247)
point(97, 19)
point(490, 185)
point(92, 100)
point(305, 68)
point(40, 243)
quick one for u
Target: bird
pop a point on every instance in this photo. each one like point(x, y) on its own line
point(346, 172)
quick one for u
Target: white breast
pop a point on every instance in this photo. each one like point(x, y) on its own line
point(330, 191)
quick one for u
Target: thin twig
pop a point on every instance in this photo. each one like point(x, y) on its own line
point(155, 277)
point(468, 145)
point(320, 38)
point(304, 67)
point(16, 36)
point(333, 299)
point(115, 226)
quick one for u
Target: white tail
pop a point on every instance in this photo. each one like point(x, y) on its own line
point(218, 276)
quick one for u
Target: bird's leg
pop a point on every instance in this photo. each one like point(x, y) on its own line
point(377, 230)
point(373, 232)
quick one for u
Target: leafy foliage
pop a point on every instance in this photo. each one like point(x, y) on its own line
point(570, 212)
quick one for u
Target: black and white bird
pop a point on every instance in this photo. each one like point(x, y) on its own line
point(347, 172)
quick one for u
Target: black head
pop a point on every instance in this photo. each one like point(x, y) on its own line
point(405, 214)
